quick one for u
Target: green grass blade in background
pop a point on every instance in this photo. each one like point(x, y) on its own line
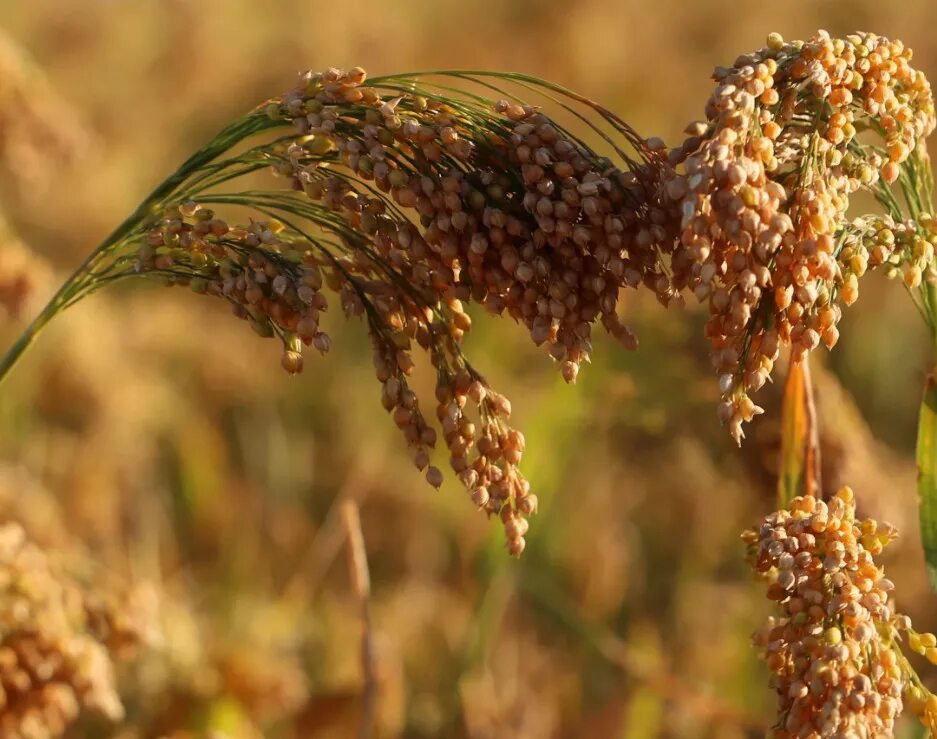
point(927, 476)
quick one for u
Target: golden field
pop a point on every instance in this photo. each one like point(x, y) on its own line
point(181, 486)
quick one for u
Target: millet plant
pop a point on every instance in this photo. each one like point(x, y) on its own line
point(402, 200)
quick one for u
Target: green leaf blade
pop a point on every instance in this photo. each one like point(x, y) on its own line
point(927, 477)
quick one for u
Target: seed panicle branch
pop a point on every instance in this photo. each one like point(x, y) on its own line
point(764, 193)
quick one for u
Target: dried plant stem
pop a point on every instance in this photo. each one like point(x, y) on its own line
point(361, 582)
point(799, 472)
point(813, 481)
point(326, 544)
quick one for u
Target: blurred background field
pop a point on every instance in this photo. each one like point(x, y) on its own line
point(153, 448)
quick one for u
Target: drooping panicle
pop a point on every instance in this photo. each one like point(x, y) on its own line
point(410, 205)
point(761, 191)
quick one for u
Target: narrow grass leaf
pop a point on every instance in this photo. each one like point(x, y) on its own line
point(927, 476)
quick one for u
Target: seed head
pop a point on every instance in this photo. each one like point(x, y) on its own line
point(833, 651)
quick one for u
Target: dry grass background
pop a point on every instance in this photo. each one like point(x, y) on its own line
point(151, 445)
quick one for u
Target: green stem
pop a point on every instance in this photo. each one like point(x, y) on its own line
point(225, 140)
point(22, 343)
point(61, 297)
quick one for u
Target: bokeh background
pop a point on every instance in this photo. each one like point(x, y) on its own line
point(149, 443)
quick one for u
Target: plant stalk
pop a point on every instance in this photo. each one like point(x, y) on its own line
point(225, 140)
